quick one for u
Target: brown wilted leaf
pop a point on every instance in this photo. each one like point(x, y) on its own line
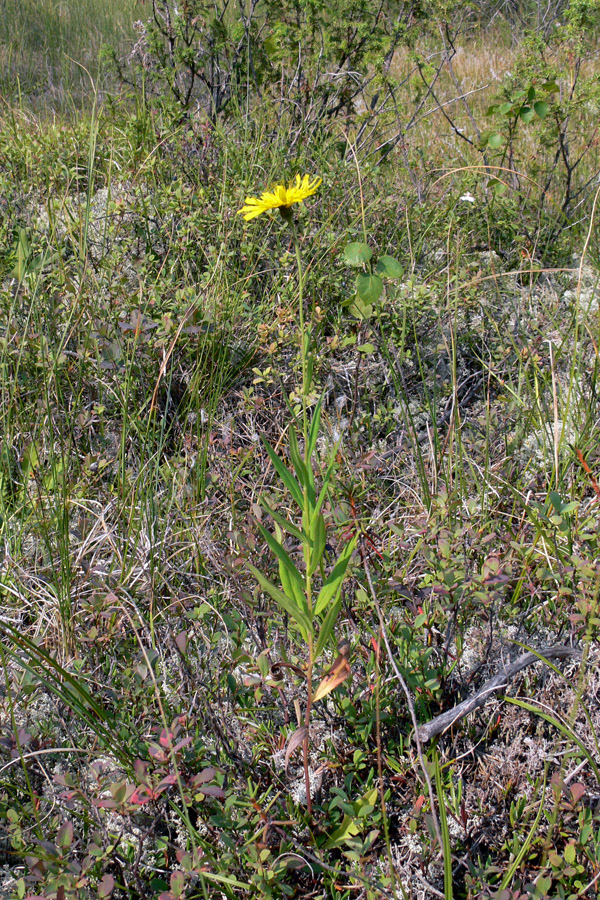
point(296, 740)
point(336, 675)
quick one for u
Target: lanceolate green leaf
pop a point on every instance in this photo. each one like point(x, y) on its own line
point(327, 626)
point(304, 474)
point(333, 582)
point(322, 493)
point(285, 524)
point(285, 475)
point(319, 538)
point(350, 827)
point(314, 429)
point(291, 579)
point(288, 605)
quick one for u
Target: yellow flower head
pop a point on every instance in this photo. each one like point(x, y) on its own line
point(281, 198)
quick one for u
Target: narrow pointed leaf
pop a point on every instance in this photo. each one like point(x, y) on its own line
point(333, 582)
point(293, 575)
point(328, 625)
point(322, 492)
point(285, 524)
point(292, 589)
point(296, 456)
point(285, 475)
point(69, 689)
point(313, 433)
point(286, 603)
point(319, 538)
point(568, 732)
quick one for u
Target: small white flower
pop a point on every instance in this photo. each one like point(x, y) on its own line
point(468, 197)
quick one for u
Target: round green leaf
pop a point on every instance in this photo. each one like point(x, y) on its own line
point(541, 109)
point(369, 288)
point(389, 267)
point(526, 114)
point(357, 254)
point(358, 309)
point(494, 141)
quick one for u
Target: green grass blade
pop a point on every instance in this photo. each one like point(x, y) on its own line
point(564, 729)
point(69, 689)
point(533, 831)
point(446, 848)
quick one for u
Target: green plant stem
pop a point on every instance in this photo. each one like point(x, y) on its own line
point(304, 346)
point(304, 352)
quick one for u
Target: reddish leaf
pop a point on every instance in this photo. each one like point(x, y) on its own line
point(105, 804)
point(141, 769)
point(182, 743)
point(106, 886)
point(205, 775)
point(166, 738)
point(212, 790)
point(142, 795)
point(157, 753)
point(164, 783)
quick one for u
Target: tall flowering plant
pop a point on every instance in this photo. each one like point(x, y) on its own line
point(310, 593)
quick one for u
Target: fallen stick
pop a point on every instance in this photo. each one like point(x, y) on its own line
point(499, 681)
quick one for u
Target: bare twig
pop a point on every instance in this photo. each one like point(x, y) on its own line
point(498, 682)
